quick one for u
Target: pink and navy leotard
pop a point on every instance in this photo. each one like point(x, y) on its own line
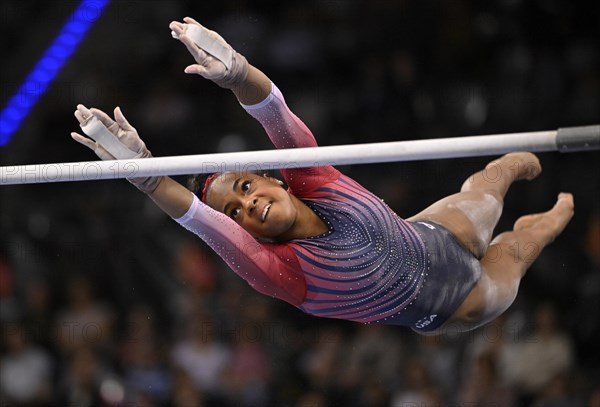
point(369, 267)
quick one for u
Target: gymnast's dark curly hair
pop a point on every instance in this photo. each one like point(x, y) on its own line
point(199, 184)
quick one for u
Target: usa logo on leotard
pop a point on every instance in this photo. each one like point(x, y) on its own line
point(422, 323)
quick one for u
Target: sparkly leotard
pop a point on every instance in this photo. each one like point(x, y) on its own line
point(368, 267)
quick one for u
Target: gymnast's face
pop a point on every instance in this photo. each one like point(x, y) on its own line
point(257, 203)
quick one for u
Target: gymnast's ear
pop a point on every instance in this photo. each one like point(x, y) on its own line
point(272, 179)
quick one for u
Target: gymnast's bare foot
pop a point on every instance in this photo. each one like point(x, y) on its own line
point(550, 224)
point(521, 165)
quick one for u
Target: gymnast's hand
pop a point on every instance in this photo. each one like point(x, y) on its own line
point(113, 139)
point(216, 60)
point(124, 133)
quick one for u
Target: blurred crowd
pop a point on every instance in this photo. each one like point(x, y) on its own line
point(204, 338)
point(104, 301)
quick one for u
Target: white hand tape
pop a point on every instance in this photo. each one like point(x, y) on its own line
point(209, 44)
point(98, 132)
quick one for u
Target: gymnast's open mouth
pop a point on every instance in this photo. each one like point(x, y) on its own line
point(265, 211)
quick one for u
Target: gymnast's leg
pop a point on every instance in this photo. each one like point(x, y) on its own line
point(472, 214)
point(507, 259)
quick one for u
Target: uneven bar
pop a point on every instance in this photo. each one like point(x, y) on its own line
point(573, 139)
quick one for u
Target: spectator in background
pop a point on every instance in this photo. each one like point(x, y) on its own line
point(321, 361)
point(547, 353)
point(594, 397)
point(145, 374)
point(373, 393)
point(9, 307)
point(374, 353)
point(84, 320)
point(559, 392)
point(185, 393)
point(196, 265)
point(246, 378)
point(484, 386)
point(499, 338)
point(25, 370)
point(441, 358)
point(202, 355)
point(587, 312)
point(417, 388)
point(143, 359)
point(81, 382)
point(312, 399)
point(38, 312)
point(196, 268)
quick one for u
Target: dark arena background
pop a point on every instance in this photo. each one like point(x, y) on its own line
point(105, 301)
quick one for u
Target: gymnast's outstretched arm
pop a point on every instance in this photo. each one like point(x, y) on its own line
point(217, 61)
point(117, 139)
point(268, 268)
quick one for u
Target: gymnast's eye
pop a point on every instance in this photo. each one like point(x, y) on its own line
point(246, 186)
point(235, 213)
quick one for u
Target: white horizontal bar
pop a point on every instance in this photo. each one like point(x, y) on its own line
point(283, 158)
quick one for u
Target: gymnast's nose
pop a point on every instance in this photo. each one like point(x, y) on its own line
point(251, 205)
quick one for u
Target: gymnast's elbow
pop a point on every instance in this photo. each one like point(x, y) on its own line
point(172, 198)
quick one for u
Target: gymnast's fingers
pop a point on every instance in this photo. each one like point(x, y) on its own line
point(177, 27)
point(190, 20)
point(82, 113)
point(197, 69)
point(84, 140)
point(196, 51)
point(210, 33)
point(95, 147)
point(79, 117)
point(103, 117)
point(122, 121)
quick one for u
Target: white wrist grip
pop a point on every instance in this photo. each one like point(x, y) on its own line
point(98, 132)
point(213, 46)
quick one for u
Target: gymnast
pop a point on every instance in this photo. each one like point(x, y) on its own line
point(326, 244)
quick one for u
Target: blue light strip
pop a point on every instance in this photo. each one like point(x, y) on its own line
point(48, 66)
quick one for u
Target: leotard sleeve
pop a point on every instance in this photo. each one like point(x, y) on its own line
point(286, 130)
point(271, 269)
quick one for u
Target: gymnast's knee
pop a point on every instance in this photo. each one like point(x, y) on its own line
point(493, 197)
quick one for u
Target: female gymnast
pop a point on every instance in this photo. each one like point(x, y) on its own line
point(327, 245)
